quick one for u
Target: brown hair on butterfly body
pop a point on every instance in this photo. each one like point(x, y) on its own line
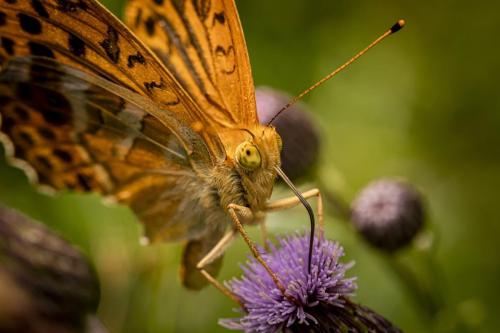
point(244, 180)
point(253, 155)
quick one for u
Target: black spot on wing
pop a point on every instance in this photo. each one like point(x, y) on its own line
point(7, 45)
point(41, 50)
point(150, 86)
point(173, 102)
point(158, 2)
point(56, 100)
point(71, 6)
point(202, 8)
point(55, 117)
point(30, 24)
point(46, 133)
point(85, 181)
point(110, 45)
point(219, 18)
point(149, 24)
point(39, 8)
point(76, 45)
point(25, 137)
point(53, 106)
point(3, 19)
point(11, 1)
point(221, 51)
point(135, 58)
point(138, 18)
point(63, 155)
point(44, 162)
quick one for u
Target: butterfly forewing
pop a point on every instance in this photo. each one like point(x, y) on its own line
point(202, 44)
point(83, 34)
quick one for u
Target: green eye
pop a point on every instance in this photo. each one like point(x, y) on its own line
point(248, 156)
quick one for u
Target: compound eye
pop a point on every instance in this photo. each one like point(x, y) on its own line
point(248, 156)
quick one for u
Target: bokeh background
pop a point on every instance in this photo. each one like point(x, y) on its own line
point(424, 105)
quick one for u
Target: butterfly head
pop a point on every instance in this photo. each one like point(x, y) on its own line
point(254, 154)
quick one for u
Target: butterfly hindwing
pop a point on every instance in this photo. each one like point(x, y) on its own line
point(69, 130)
point(194, 251)
point(202, 44)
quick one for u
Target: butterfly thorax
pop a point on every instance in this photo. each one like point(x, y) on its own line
point(246, 177)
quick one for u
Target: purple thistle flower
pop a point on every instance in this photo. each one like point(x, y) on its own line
point(265, 307)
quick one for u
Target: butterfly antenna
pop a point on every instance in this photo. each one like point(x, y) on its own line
point(395, 28)
point(309, 211)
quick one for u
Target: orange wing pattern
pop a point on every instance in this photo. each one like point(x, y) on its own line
point(85, 105)
point(69, 130)
point(202, 44)
point(85, 35)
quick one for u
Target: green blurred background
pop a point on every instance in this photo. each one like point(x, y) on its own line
point(424, 105)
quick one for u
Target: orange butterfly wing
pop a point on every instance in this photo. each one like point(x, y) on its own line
point(201, 42)
point(70, 130)
point(85, 35)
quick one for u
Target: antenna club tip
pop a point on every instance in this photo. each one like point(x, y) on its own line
point(398, 26)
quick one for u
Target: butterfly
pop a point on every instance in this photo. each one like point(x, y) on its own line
point(158, 114)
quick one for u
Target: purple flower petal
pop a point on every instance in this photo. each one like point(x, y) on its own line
point(266, 309)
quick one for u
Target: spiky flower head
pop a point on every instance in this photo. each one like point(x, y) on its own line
point(388, 213)
point(266, 309)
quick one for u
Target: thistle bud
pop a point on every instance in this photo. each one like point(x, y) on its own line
point(388, 213)
point(296, 128)
point(47, 285)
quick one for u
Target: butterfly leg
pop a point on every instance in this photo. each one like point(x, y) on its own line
point(290, 202)
point(246, 213)
point(213, 255)
point(218, 249)
point(220, 286)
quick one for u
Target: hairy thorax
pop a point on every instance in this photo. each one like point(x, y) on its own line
point(251, 191)
point(248, 185)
